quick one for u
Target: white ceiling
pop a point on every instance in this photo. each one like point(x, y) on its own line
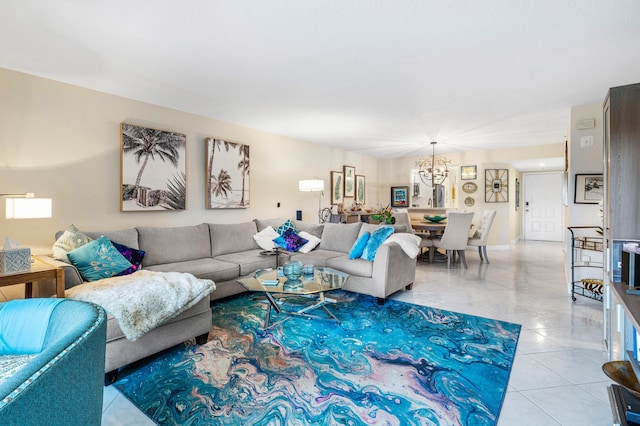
point(382, 78)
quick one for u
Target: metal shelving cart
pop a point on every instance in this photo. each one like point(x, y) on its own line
point(587, 244)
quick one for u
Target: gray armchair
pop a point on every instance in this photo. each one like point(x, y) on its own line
point(62, 384)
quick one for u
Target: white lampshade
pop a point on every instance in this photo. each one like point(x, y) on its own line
point(28, 208)
point(311, 185)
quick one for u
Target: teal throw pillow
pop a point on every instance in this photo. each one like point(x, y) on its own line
point(376, 240)
point(290, 240)
point(358, 247)
point(98, 259)
point(285, 226)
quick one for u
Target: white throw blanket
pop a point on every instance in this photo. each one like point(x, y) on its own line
point(410, 243)
point(145, 299)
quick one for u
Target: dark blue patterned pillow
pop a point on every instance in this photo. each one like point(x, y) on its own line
point(290, 240)
point(132, 255)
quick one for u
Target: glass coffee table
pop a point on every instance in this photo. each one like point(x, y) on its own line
point(311, 287)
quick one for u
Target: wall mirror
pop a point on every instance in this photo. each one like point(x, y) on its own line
point(422, 195)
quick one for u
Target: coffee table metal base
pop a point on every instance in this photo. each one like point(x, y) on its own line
point(319, 303)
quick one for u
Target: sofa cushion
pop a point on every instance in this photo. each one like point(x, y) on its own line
point(339, 236)
point(127, 237)
point(312, 242)
point(359, 267)
point(134, 256)
point(375, 241)
point(316, 257)
point(263, 223)
point(98, 259)
point(312, 228)
point(371, 228)
point(290, 240)
point(252, 260)
point(68, 240)
point(287, 225)
point(208, 268)
point(170, 245)
point(265, 238)
point(358, 247)
point(232, 237)
point(113, 328)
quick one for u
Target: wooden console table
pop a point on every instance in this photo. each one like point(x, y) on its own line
point(40, 270)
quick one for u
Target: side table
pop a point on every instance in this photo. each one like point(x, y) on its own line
point(40, 270)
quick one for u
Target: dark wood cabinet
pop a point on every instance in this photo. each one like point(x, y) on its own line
point(622, 162)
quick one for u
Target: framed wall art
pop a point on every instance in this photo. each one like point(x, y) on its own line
point(337, 187)
point(152, 169)
point(589, 188)
point(468, 172)
point(349, 181)
point(496, 185)
point(360, 189)
point(399, 196)
point(227, 174)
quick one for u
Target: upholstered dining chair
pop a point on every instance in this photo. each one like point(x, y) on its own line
point(455, 237)
point(479, 238)
point(403, 218)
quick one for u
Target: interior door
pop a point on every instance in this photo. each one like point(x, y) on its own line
point(542, 206)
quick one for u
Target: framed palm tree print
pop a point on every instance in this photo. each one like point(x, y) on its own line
point(227, 174)
point(152, 169)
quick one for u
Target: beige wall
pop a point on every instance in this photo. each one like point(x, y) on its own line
point(507, 226)
point(63, 142)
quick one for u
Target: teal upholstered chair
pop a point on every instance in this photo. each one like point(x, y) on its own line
point(63, 383)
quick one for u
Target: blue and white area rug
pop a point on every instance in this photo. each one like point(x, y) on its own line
point(396, 364)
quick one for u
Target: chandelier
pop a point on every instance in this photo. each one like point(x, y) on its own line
point(433, 171)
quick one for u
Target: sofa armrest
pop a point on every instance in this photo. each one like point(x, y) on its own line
point(393, 270)
point(71, 275)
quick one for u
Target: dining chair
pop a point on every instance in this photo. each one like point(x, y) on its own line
point(455, 237)
point(479, 238)
point(403, 218)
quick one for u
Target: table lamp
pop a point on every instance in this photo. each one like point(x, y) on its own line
point(26, 206)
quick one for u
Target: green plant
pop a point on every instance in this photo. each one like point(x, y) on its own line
point(385, 215)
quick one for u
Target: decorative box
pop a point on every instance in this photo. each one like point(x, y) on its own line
point(15, 260)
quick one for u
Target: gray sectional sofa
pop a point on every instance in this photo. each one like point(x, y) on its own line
point(225, 252)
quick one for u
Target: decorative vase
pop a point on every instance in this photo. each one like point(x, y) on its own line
point(293, 270)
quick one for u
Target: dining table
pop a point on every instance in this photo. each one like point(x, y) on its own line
point(423, 226)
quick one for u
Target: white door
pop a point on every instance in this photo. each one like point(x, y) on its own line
point(542, 203)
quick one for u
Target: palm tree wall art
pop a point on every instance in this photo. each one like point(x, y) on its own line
point(153, 169)
point(227, 176)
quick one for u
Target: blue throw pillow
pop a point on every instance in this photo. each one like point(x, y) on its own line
point(98, 259)
point(290, 240)
point(376, 240)
point(286, 226)
point(359, 245)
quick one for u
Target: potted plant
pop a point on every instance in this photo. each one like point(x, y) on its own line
point(385, 215)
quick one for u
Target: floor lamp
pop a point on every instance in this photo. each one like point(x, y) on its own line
point(313, 185)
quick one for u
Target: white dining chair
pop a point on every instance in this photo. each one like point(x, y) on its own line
point(403, 218)
point(455, 237)
point(479, 238)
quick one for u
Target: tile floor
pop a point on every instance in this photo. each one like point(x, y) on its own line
point(556, 378)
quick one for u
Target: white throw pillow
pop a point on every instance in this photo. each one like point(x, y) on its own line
point(313, 241)
point(71, 239)
point(410, 243)
point(265, 238)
